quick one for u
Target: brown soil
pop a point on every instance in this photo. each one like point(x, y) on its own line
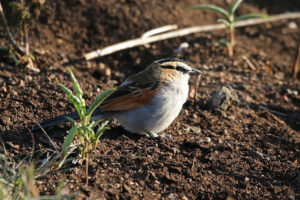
point(245, 152)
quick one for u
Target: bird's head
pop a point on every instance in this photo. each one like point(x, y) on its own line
point(172, 69)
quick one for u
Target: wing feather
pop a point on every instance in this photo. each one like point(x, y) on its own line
point(132, 99)
point(138, 90)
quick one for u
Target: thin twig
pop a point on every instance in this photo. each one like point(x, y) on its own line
point(159, 30)
point(162, 29)
point(33, 145)
point(248, 61)
point(26, 42)
point(297, 62)
point(182, 32)
point(10, 37)
point(118, 156)
point(51, 142)
point(272, 111)
point(196, 87)
point(293, 116)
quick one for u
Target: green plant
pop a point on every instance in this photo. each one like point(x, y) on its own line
point(24, 13)
point(17, 180)
point(84, 129)
point(17, 183)
point(229, 20)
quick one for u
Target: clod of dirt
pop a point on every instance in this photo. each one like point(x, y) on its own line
point(105, 70)
point(195, 129)
point(223, 97)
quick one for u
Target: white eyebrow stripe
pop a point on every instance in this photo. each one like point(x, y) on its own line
point(176, 63)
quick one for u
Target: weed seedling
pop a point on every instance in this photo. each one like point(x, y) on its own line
point(17, 180)
point(25, 14)
point(228, 20)
point(84, 129)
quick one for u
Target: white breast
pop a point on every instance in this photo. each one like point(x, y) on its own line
point(160, 113)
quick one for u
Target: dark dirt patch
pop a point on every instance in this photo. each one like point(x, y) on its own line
point(245, 152)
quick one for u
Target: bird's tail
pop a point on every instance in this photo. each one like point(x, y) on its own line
point(56, 121)
point(97, 115)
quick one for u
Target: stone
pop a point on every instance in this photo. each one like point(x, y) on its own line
point(223, 98)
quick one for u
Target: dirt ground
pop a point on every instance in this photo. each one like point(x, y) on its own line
point(244, 152)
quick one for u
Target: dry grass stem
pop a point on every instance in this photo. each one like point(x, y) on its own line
point(10, 37)
point(297, 62)
point(182, 32)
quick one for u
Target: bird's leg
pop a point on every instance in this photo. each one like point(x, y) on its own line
point(151, 135)
point(155, 135)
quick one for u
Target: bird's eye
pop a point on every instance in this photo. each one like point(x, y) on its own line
point(182, 69)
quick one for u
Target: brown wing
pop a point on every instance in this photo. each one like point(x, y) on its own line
point(136, 91)
point(134, 98)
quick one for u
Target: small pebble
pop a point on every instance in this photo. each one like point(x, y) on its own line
point(292, 25)
point(131, 183)
point(3, 89)
point(292, 92)
point(186, 112)
point(171, 196)
point(12, 81)
point(195, 129)
point(15, 93)
point(28, 78)
point(208, 140)
point(184, 197)
point(52, 76)
point(22, 83)
point(175, 150)
point(104, 69)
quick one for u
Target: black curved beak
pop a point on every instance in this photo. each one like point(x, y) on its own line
point(195, 71)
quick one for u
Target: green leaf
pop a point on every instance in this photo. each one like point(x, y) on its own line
point(99, 99)
point(74, 100)
point(224, 42)
point(91, 124)
point(234, 6)
point(225, 22)
point(211, 8)
point(31, 56)
point(96, 123)
point(101, 127)
point(72, 121)
point(90, 133)
point(80, 149)
point(68, 140)
point(14, 57)
point(14, 5)
point(99, 133)
point(76, 85)
point(79, 92)
point(250, 15)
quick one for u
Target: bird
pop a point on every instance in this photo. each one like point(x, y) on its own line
point(145, 103)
